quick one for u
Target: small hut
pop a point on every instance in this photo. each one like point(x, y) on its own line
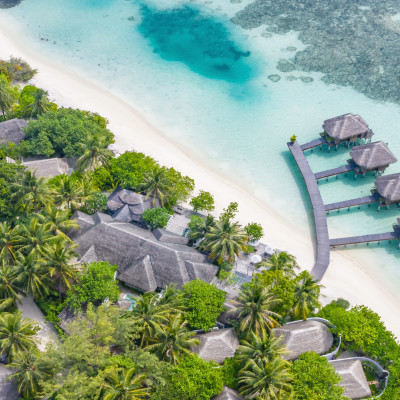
point(48, 167)
point(11, 131)
point(302, 336)
point(217, 345)
point(353, 378)
point(388, 189)
point(228, 394)
point(345, 128)
point(374, 156)
point(128, 206)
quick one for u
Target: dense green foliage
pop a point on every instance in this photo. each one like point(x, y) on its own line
point(254, 231)
point(17, 70)
point(203, 201)
point(204, 302)
point(156, 217)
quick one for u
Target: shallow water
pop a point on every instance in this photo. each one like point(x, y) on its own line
point(223, 92)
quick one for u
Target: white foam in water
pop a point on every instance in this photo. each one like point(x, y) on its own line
point(241, 128)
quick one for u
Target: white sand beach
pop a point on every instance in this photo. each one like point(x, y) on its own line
point(345, 277)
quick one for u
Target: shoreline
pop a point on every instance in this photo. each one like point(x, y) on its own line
point(345, 276)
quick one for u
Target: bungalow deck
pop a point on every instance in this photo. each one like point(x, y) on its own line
point(351, 203)
point(334, 171)
point(378, 237)
point(313, 143)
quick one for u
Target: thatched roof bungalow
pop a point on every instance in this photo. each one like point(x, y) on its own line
point(388, 188)
point(374, 156)
point(353, 378)
point(128, 206)
point(48, 167)
point(302, 336)
point(11, 131)
point(228, 394)
point(217, 345)
point(346, 128)
point(146, 260)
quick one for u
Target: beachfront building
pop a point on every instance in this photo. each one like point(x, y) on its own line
point(128, 206)
point(228, 394)
point(11, 131)
point(370, 157)
point(301, 336)
point(217, 345)
point(353, 378)
point(387, 188)
point(347, 128)
point(146, 260)
point(49, 167)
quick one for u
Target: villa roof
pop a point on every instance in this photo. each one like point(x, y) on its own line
point(302, 336)
point(388, 186)
point(228, 394)
point(353, 378)
point(217, 345)
point(144, 262)
point(345, 126)
point(48, 167)
point(128, 206)
point(11, 130)
point(372, 156)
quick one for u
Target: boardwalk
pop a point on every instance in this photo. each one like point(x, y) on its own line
point(364, 239)
point(312, 144)
point(350, 203)
point(321, 226)
point(334, 171)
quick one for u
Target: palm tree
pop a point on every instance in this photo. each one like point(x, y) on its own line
point(266, 379)
point(261, 347)
point(57, 221)
point(17, 335)
point(41, 103)
point(69, 193)
point(56, 259)
point(33, 237)
point(173, 339)
point(171, 299)
point(307, 293)
point(29, 374)
point(8, 241)
point(125, 385)
point(282, 262)
point(95, 155)
point(253, 308)
point(157, 185)
point(6, 303)
point(225, 241)
point(32, 193)
point(7, 95)
point(148, 314)
point(9, 288)
point(201, 230)
point(32, 277)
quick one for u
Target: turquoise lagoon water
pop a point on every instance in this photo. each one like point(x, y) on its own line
point(208, 84)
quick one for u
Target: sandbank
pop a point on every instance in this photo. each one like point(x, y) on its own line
point(346, 277)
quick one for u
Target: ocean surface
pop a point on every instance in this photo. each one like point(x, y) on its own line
point(234, 80)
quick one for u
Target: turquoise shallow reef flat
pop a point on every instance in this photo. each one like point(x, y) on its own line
point(233, 80)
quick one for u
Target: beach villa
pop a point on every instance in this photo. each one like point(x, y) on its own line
point(228, 394)
point(11, 131)
point(388, 189)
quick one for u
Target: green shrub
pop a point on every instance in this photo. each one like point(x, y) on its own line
point(157, 217)
point(254, 231)
point(203, 201)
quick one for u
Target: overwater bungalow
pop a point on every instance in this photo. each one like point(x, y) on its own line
point(347, 128)
point(228, 394)
point(301, 336)
point(11, 131)
point(128, 206)
point(387, 188)
point(217, 345)
point(369, 157)
point(146, 260)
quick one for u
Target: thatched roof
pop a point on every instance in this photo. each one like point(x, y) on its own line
point(302, 336)
point(8, 390)
point(128, 206)
point(372, 156)
point(388, 186)
point(345, 126)
point(169, 237)
point(217, 345)
point(144, 262)
point(228, 394)
point(48, 167)
point(11, 130)
point(353, 378)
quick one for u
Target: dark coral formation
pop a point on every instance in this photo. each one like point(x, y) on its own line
point(9, 3)
point(353, 43)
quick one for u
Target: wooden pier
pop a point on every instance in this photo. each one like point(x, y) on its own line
point(378, 237)
point(321, 226)
point(334, 171)
point(313, 143)
point(351, 203)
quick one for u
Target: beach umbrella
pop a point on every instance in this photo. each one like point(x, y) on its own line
point(255, 259)
point(268, 250)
